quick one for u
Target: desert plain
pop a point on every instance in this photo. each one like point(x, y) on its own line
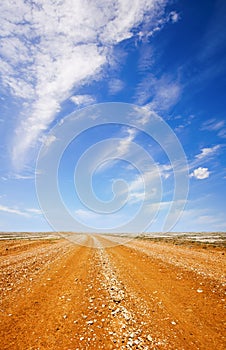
point(90, 291)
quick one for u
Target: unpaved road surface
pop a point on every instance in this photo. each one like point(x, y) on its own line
point(141, 295)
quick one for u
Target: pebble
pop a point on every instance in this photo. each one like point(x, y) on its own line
point(89, 322)
point(149, 338)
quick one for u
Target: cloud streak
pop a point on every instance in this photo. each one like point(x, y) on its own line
point(6, 209)
point(158, 94)
point(215, 125)
point(82, 100)
point(25, 212)
point(207, 152)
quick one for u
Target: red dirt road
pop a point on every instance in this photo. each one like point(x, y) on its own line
point(141, 295)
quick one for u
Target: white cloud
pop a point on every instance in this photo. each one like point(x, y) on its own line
point(22, 177)
point(129, 14)
point(116, 150)
point(174, 16)
point(136, 197)
point(207, 152)
point(185, 123)
point(140, 181)
point(200, 173)
point(222, 133)
point(215, 125)
point(158, 94)
point(49, 48)
point(164, 205)
point(145, 186)
point(47, 140)
point(15, 176)
point(145, 114)
point(125, 143)
point(166, 170)
point(55, 79)
point(27, 212)
point(4, 178)
point(115, 86)
point(146, 59)
point(12, 210)
point(81, 100)
point(34, 211)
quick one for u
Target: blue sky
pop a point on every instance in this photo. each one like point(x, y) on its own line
point(166, 57)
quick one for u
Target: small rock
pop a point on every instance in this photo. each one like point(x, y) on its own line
point(149, 338)
point(89, 322)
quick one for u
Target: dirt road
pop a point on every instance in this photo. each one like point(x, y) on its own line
point(141, 295)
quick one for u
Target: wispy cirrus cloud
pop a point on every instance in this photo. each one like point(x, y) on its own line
point(215, 125)
point(34, 211)
point(158, 93)
point(184, 122)
point(82, 100)
point(207, 152)
point(118, 149)
point(47, 49)
point(18, 176)
point(22, 212)
point(9, 210)
point(146, 187)
point(124, 144)
point(115, 86)
point(205, 155)
point(172, 17)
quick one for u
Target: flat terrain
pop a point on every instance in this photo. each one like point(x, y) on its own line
point(56, 294)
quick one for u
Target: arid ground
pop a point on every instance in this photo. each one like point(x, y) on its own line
point(143, 294)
